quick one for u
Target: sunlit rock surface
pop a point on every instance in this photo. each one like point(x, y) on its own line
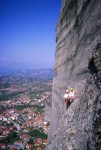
point(78, 65)
point(48, 109)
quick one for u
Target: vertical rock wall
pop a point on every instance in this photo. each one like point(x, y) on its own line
point(78, 65)
point(48, 109)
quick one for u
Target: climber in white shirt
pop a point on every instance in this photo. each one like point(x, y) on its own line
point(72, 94)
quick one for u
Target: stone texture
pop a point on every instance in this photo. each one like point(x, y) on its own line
point(48, 109)
point(78, 65)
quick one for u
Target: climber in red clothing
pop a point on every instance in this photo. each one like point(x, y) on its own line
point(67, 99)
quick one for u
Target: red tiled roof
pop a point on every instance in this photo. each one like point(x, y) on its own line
point(44, 141)
point(1, 144)
point(39, 148)
point(25, 135)
point(37, 143)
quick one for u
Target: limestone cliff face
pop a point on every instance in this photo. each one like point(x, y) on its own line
point(78, 65)
point(48, 109)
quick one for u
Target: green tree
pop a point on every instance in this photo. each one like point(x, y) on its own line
point(37, 134)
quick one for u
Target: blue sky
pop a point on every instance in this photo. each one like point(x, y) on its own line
point(27, 32)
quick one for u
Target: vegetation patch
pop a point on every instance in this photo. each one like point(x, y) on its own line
point(37, 134)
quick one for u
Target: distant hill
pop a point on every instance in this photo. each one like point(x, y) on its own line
point(7, 66)
point(27, 72)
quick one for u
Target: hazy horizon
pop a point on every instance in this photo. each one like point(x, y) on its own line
point(27, 33)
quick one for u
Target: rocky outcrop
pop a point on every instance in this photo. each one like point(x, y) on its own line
point(48, 108)
point(78, 65)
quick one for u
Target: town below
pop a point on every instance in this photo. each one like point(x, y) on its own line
point(24, 114)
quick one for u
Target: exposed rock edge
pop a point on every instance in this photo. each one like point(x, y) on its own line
point(78, 65)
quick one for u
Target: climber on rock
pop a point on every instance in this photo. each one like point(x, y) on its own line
point(67, 99)
point(72, 94)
